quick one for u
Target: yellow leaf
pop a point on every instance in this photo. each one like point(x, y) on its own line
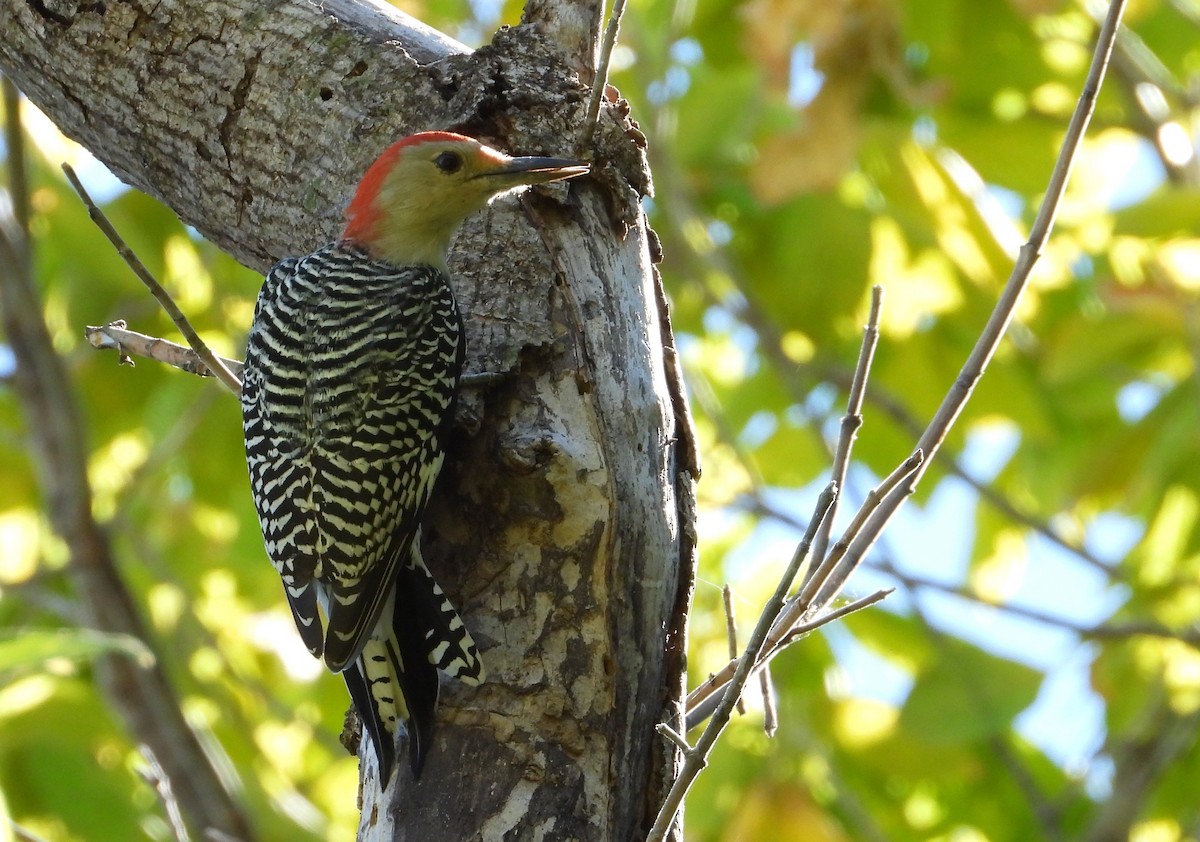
point(917, 286)
point(998, 577)
point(863, 723)
point(775, 812)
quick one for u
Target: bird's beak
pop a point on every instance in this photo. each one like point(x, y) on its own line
point(517, 171)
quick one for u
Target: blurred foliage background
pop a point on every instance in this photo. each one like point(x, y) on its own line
point(1036, 674)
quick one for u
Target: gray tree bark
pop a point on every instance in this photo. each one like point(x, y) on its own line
point(563, 524)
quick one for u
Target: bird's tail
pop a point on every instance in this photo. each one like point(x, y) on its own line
point(396, 677)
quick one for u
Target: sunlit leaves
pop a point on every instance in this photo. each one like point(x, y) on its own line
point(20, 530)
point(967, 695)
point(26, 650)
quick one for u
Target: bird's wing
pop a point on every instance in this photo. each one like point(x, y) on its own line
point(280, 480)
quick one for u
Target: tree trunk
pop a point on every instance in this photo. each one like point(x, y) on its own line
point(563, 524)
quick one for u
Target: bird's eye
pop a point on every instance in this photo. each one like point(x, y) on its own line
point(448, 162)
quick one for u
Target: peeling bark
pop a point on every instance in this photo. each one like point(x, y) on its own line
point(563, 523)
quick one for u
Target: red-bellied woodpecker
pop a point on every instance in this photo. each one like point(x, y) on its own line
point(352, 366)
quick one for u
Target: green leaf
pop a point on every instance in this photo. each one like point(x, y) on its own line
point(968, 695)
point(29, 649)
point(895, 637)
point(1167, 212)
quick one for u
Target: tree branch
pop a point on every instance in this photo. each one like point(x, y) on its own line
point(822, 586)
point(816, 593)
point(732, 633)
point(696, 758)
point(790, 625)
point(600, 83)
point(115, 336)
point(211, 361)
point(852, 420)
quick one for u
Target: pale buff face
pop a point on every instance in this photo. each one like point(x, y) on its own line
point(433, 187)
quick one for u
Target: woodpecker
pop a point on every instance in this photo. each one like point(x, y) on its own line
point(352, 366)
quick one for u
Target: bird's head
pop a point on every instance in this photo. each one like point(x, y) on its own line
point(413, 198)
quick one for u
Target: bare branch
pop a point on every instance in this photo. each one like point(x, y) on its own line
point(701, 701)
point(117, 337)
point(704, 699)
point(822, 585)
point(852, 420)
point(801, 629)
point(731, 632)
point(696, 758)
point(821, 588)
point(600, 83)
point(211, 360)
point(154, 775)
point(770, 714)
point(673, 735)
point(800, 606)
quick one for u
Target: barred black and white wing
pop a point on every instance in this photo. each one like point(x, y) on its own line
point(351, 370)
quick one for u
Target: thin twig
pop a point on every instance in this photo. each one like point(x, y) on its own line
point(770, 715)
point(116, 336)
point(697, 757)
point(821, 588)
point(600, 83)
point(799, 606)
point(673, 735)
point(801, 629)
point(731, 633)
point(164, 299)
point(701, 707)
point(154, 775)
point(852, 420)
point(956, 398)
point(817, 592)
